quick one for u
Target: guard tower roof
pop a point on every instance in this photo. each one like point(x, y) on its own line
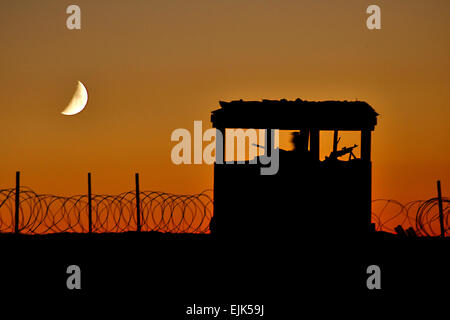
point(295, 114)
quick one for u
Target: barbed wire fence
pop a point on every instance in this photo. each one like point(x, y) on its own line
point(164, 212)
point(33, 213)
point(421, 215)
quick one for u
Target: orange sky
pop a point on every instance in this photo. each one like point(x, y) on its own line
point(153, 66)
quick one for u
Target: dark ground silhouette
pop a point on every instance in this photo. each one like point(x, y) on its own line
point(168, 272)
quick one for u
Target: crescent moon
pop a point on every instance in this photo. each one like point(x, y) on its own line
point(78, 102)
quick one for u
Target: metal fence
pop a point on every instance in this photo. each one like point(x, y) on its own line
point(33, 213)
point(159, 211)
point(421, 215)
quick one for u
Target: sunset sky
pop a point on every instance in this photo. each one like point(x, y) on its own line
point(154, 66)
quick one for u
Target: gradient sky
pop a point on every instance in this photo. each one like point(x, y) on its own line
point(153, 66)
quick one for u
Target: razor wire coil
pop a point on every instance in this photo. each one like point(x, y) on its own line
point(165, 212)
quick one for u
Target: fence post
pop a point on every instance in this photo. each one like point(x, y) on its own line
point(17, 200)
point(90, 202)
point(441, 211)
point(138, 203)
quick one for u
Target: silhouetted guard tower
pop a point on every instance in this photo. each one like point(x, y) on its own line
point(307, 196)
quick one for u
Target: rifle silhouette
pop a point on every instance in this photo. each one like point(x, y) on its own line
point(339, 153)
